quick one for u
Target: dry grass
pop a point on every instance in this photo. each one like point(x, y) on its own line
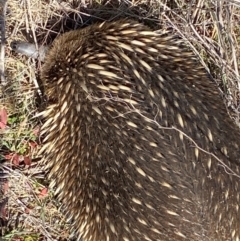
point(211, 27)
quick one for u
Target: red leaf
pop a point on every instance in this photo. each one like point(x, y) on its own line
point(5, 187)
point(3, 213)
point(43, 193)
point(36, 131)
point(27, 210)
point(8, 156)
point(32, 144)
point(3, 118)
point(27, 160)
point(16, 159)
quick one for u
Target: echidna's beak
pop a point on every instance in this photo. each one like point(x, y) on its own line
point(29, 50)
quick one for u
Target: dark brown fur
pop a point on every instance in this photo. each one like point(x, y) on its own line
point(138, 142)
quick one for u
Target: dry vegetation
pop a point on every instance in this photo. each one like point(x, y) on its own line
point(28, 210)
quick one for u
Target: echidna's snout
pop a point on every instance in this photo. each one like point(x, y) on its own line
point(29, 49)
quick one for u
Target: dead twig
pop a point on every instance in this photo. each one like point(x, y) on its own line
point(3, 43)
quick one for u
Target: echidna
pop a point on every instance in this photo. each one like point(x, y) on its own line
point(138, 143)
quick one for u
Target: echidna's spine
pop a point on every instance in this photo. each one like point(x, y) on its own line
point(137, 140)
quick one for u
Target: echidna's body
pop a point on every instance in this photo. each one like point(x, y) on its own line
point(126, 106)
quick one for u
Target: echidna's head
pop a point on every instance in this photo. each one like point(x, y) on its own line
point(130, 128)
